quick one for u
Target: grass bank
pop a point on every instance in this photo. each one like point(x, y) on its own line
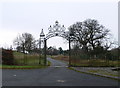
point(111, 76)
point(24, 66)
point(21, 67)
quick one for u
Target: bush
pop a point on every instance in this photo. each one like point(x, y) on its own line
point(7, 57)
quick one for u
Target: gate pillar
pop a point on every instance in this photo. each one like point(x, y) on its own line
point(69, 52)
point(45, 53)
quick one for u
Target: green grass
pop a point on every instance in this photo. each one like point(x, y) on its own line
point(88, 62)
point(96, 63)
point(24, 66)
point(103, 72)
point(93, 74)
point(17, 53)
point(49, 63)
point(21, 67)
point(93, 71)
point(26, 61)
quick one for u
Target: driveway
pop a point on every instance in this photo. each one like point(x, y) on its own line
point(56, 75)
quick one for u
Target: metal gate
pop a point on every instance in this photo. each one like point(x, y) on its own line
point(55, 30)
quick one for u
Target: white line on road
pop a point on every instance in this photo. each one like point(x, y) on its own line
point(58, 66)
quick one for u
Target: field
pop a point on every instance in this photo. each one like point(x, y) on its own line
point(89, 62)
point(26, 61)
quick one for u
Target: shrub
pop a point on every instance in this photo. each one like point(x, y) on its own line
point(7, 57)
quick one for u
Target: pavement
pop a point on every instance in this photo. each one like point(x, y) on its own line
point(56, 75)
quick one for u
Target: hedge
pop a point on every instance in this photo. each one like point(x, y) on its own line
point(7, 57)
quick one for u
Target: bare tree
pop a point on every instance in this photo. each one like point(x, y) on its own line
point(89, 33)
point(24, 42)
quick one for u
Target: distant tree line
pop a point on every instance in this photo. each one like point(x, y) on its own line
point(53, 51)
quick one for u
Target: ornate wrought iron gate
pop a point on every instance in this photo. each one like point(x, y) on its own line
point(55, 30)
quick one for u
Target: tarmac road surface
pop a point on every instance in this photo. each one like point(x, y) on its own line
point(56, 75)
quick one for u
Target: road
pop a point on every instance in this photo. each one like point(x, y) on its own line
point(55, 75)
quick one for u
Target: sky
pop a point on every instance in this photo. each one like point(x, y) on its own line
point(33, 16)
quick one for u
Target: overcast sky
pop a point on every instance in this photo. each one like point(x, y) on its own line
point(19, 17)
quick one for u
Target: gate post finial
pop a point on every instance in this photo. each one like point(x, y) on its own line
point(42, 34)
point(56, 22)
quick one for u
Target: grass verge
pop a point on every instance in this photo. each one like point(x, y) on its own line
point(93, 74)
point(21, 67)
point(24, 66)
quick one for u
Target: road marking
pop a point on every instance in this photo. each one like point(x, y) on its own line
point(14, 75)
point(61, 81)
point(58, 66)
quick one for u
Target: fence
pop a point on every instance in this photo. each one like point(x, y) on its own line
point(80, 58)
